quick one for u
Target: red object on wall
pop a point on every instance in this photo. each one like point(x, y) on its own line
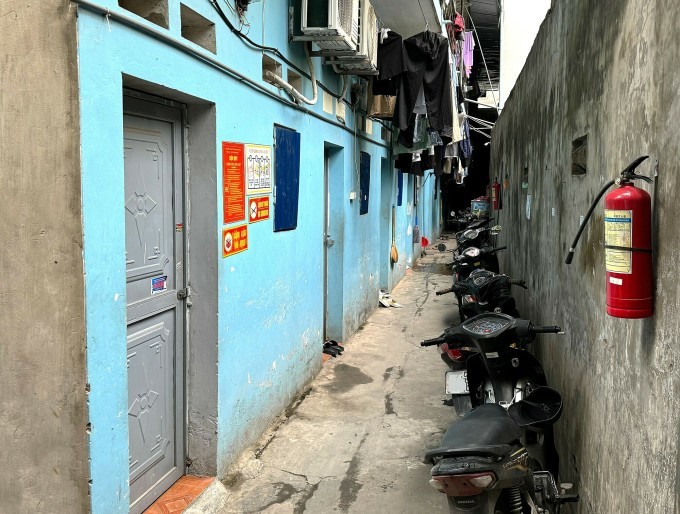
point(258, 208)
point(496, 196)
point(233, 182)
point(234, 240)
point(628, 250)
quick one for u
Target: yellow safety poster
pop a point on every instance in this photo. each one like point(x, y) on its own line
point(618, 231)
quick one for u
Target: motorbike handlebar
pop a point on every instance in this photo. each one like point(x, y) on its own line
point(432, 342)
point(518, 282)
point(494, 250)
point(545, 330)
point(444, 291)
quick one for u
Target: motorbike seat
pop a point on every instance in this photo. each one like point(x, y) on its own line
point(487, 430)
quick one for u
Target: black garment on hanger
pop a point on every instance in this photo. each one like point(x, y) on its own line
point(427, 63)
point(403, 162)
point(391, 64)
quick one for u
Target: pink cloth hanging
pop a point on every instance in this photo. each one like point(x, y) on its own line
point(468, 51)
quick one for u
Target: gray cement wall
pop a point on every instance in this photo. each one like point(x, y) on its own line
point(608, 70)
point(43, 417)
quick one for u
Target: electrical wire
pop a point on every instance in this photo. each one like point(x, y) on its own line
point(245, 39)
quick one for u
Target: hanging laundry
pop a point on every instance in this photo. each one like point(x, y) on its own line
point(427, 63)
point(380, 106)
point(446, 168)
point(427, 159)
point(416, 166)
point(460, 174)
point(403, 162)
point(468, 51)
point(421, 139)
point(465, 145)
point(458, 26)
point(456, 133)
point(420, 107)
point(391, 64)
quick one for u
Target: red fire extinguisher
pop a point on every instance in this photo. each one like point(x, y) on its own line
point(628, 245)
point(496, 196)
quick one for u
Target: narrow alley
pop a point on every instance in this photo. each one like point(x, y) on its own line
point(204, 198)
point(355, 440)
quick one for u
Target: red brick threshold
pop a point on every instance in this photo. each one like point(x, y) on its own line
point(180, 495)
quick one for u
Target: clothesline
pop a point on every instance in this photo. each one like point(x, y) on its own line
point(480, 121)
point(480, 132)
point(481, 50)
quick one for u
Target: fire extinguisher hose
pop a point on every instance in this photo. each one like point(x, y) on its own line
point(570, 255)
point(627, 175)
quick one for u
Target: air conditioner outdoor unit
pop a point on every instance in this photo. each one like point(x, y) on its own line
point(332, 24)
point(365, 62)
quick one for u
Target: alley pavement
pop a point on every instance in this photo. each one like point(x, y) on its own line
point(355, 441)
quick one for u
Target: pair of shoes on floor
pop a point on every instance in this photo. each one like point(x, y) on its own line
point(333, 348)
point(386, 300)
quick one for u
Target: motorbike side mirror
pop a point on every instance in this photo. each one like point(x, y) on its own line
point(496, 229)
point(453, 214)
point(441, 247)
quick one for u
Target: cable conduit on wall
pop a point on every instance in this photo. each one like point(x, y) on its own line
point(294, 92)
point(208, 59)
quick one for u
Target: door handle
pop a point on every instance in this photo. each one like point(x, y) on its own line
point(329, 242)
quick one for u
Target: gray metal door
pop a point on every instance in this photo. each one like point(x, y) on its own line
point(154, 248)
point(328, 241)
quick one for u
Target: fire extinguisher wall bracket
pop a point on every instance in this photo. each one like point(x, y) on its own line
point(628, 246)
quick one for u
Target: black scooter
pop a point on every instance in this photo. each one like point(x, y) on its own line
point(477, 237)
point(484, 291)
point(472, 258)
point(501, 456)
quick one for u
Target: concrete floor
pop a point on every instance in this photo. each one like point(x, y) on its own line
point(355, 442)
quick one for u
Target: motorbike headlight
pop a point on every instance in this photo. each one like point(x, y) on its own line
point(472, 252)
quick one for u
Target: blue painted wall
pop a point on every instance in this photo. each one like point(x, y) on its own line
point(271, 296)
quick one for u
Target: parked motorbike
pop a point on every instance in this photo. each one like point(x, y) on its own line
point(472, 258)
point(478, 237)
point(465, 219)
point(500, 458)
point(484, 291)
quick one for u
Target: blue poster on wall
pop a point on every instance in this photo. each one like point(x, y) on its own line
point(364, 181)
point(400, 187)
point(286, 178)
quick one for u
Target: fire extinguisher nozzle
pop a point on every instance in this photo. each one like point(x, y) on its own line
point(570, 256)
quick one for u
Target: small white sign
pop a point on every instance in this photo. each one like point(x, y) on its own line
point(528, 208)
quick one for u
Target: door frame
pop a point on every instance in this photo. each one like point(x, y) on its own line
point(153, 107)
point(326, 236)
point(387, 202)
point(333, 219)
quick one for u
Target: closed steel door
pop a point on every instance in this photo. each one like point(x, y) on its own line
point(154, 246)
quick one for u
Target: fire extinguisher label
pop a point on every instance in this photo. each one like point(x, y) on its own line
point(618, 231)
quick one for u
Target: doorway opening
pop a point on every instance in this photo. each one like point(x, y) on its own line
point(334, 219)
point(386, 228)
point(191, 284)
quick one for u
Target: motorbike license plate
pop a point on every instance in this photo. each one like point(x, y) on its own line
point(456, 382)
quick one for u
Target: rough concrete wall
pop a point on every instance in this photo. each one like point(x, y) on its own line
point(42, 354)
point(608, 70)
